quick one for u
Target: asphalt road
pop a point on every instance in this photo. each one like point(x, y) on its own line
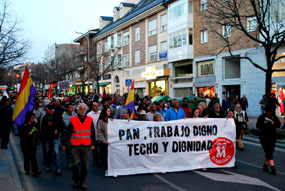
point(248, 176)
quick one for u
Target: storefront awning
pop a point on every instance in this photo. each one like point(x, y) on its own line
point(104, 83)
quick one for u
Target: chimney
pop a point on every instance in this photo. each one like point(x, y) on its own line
point(132, 1)
point(125, 7)
point(116, 12)
point(105, 21)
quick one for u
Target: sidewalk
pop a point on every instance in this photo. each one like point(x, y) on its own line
point(9, 178)
point(252, 121)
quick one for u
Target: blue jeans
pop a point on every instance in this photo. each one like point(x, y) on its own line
point(56, 153)
point(51, 152)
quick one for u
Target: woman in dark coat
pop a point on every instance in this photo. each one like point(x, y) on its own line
point(29, 139)
point(267, 124)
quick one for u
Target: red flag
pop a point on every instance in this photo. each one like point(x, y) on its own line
point(50, 91)
point(104, 96)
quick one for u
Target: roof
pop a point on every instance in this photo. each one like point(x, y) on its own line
point(106, 18)
point(118, 8)
point(139, 8)
point(90, 32)
point(128, 4)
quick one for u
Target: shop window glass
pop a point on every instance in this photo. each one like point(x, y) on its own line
point(184, 70)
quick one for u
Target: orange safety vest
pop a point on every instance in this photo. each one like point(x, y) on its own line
point(81, 131)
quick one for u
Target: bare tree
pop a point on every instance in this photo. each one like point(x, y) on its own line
point(103, 63)
point(12, 47)
point(63, 66)
point(265, 18)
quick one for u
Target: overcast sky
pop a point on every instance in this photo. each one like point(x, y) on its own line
point(45, 22)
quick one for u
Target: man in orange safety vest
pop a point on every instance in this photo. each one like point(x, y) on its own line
point(82, 134)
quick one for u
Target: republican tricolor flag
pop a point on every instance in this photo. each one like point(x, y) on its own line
point(25, 101)
point(130, 103)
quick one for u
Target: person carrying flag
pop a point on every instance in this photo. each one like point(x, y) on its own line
point(130, 103)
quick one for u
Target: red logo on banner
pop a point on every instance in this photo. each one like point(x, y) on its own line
point(222, 151)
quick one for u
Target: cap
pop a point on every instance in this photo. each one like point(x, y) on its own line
point(142, 112)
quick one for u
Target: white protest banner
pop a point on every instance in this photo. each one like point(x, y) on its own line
point(147, 147)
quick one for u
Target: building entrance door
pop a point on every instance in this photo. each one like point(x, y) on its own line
point(231, 91)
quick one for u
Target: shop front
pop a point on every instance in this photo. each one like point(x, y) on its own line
point(157, 81)
point(278, 86)
point(206, 79)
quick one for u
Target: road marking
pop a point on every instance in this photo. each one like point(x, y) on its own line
point(169, 183)
point(19, 163)
point(281, 173)
point(235, 178)
point(258, 145)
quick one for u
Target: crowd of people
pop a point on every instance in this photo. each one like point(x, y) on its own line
point(77, 123)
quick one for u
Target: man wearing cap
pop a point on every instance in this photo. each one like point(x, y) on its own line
point(142, 116)
point(82, 133)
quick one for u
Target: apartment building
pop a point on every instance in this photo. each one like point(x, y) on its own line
point(167, 47)
point(85, 55)
point(135, 44)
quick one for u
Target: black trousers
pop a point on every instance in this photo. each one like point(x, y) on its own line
point(104, 151)
point(30, 159)
point(68, 155)
point(268, 146)
point(5, 133)
point(80, 155)
point(95, 153)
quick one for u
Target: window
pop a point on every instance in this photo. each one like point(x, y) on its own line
point(190, 6)
point(163, 50)
point(163, 23)
point(105, 46)
point(232, 68)
point(152, 53)
point(251, 24)
point(117, 40)
point(117, 60)
point(178, 39)
point(112, 41)
point(203, 5)
point(177, 10)
point(137, 35)
point(99, 49)
point(126, 60)
point(190, 36)
point(163, 46)
point(126, 38)
point(108, 62)
point(206, 68)
point(277, 10)
point(137, 57)
point(227, 30)
point(184, 69)
point(204, 36)
point(152, 27)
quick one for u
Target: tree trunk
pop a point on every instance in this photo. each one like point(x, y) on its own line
point(97, 85)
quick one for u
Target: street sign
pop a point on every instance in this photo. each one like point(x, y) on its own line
point(128, 82)
point(63, 85)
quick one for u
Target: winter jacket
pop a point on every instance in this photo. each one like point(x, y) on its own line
point(171, 114)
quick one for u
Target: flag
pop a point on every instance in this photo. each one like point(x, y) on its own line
point(50, 91)
point(130, 103)
point(104, 96)
point(25, 101)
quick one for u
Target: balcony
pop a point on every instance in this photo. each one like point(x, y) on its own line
point(185, 52)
